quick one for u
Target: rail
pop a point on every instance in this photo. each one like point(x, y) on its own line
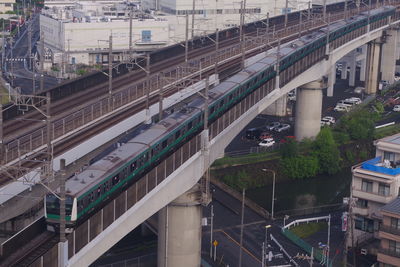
point(172, 77)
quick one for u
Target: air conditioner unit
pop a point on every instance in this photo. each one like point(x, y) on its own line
point(364, 251)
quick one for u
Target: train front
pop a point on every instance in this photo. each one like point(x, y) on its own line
point(52, 212)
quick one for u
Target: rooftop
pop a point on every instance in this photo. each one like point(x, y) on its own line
point(393, 140)
point(381, 166)
point(392, 207)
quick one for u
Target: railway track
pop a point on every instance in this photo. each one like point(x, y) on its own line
point(58, 106)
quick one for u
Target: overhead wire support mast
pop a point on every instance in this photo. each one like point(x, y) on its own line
point(110, 72)
point(42, 57)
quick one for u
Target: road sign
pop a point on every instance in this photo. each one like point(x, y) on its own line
point(215, 243)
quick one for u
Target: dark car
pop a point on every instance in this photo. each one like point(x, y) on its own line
point(253, 133)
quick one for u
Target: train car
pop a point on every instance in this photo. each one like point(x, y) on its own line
point(106, 178)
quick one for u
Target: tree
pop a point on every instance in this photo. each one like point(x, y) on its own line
point(290, 148)
point(300, 167)
point(326, 151)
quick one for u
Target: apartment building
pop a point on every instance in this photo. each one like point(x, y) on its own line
point(375, 183)
point(389, 233)
point(6, 5)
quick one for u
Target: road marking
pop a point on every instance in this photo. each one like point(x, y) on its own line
point(237, 243)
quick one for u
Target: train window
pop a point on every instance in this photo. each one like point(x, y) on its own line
point(212, 110)
point(164, 144)
point(115, 180)
point(221, 103)
point(99, 191)
point(92, 197)
point(190, 125)
point(133, 166)
point(177, 134)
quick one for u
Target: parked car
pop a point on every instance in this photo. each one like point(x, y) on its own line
point(396, 78)
point(267, 142)
point(265, 135)
point(253, 133)
point(341, 108)
point(358, 90)
point(354, 100)
point(272, 126)
point(396, 108)
point(328, 120)
point(282, 127)
point(345, 103)
point(292, 95)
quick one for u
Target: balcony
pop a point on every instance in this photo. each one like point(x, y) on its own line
point(377, 165)
point(389, 229)
point(389, 257)
point(372, 196)
point(360, 211)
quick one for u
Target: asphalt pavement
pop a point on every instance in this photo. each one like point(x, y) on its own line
point(227, 233)
point(17, 71)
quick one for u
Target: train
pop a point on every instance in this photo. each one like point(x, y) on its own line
point(100, 182)
point(80, 84)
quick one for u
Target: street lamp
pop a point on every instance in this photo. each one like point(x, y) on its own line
point(265, 246)
point(273, 190)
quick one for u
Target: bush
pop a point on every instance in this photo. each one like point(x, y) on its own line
point(300, 167)
point(326, 151)
point(349, 156)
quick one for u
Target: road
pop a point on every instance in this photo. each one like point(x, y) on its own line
point(227, 233)
point(17, 60)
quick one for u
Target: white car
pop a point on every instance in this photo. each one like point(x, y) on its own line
point(354, 100)
point(341, 108)
point(345, 103)
point(282, 127)
point(292, 95)
point(328, 120)
point(396, 108)
point(358, 90)
point(267, 142)
point(396, 78)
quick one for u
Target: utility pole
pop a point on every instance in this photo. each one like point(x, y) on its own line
point(1, 132)
point(30, 44)
point(148, 81)
point(130, 33)
point(110, 72)
point(193, 11)
point(212, 229)
point(68, 56)
point(3, 50)
point(42, 56)
point(286, 14)
point(187, 37)
point(62, 201)
point(160, 102)
point(324, 11)
point(48, 134)
point(267, 28)
point(329, 240)
point(12, 62)
point(309, 11)
point(241, 228)
point(216, 51)
point(345, 9)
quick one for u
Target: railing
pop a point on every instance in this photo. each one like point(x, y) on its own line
point(389, 252)
point(371, 166)
point(389, 229)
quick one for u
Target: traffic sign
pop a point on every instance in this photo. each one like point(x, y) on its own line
point(215, 243)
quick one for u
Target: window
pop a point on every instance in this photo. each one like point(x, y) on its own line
point(146, 36)
point(73, 60)
point(394, 246)
point(388, 155)
point(366, 186)
point(362, 203)
point(384, 189)
point(364, 224)
point(395, 223)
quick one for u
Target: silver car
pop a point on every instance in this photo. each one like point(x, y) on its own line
point(282, 127)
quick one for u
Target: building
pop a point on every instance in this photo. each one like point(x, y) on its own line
point(80, 35)
point(375, 183)
point(389, 234)
point(210, 14)
point(6, 5)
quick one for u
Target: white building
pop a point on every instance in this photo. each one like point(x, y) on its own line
point(213, 14)
point(6, 5)
point(81, 34)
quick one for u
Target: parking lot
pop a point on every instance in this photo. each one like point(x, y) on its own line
point(242, 145)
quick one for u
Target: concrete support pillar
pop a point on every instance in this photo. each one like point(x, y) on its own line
point(308, 110)
point(388, 61)
point(372, 70)
point(331, 80)
point(278, 108)
point(352, 75)
point(344, 71)
point(363, 69)
point(179, 231)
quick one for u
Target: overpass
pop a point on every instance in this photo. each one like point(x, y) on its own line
point(181, 171)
